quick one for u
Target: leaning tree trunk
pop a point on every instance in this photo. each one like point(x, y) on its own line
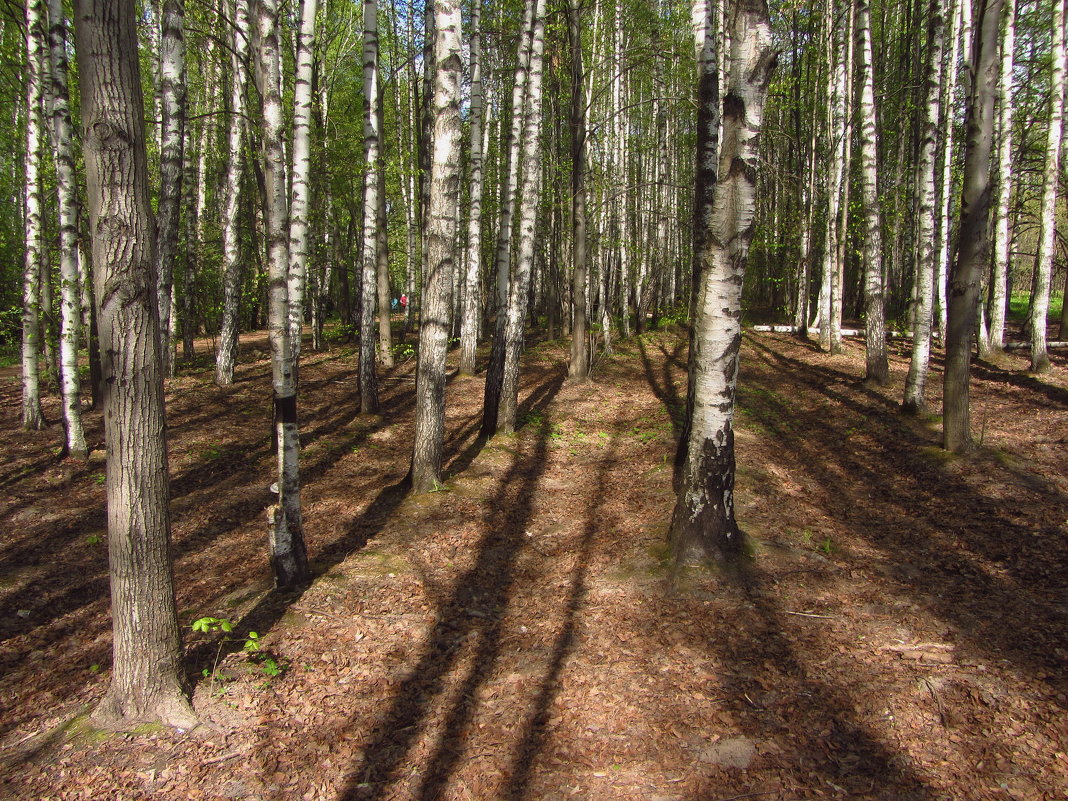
point(878, 369)
point(703, 524)
point(428, 438)
point(231, 264)
point(1044, 260)
point(298, 221)
point(579, 368)
point(926, 248)
point(172, 143)
point(70, 275)
point(146, 677)
point(515, 324)
point(974, 249)
point(1003, 190)
point(285, 526)
point(369, 271)
point(471, 294)
point(32, 418)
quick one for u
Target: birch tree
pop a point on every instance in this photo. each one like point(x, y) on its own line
point(429, 436)
point(67, 197)
point(926, 247)
point(472, 261)
point(285, 526)
point(369, 271)
point(231, 265)
point(1048, 221)
point(703, 524)
point(146, 678)
point(578, 370)
point(32, 417)
point(974, 249)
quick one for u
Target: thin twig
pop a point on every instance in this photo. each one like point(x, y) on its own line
point(224, 757)
point(809, 614)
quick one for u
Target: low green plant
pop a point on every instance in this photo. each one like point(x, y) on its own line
point(403, 351)
point(100, 478)
point(93, 539)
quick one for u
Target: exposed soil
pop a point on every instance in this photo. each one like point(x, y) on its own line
point(899, 632)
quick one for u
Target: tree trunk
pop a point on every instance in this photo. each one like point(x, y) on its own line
point(1003, 189)
point(67, 194)
point(372, 134)
point(298, 221)
point(428, 439)
point(926, 247)
point(32, 417)
point(959, 21)
point(1044, 260)
point(878, 369)
point(172, 144)
point(579, 368)
point(146, 680)
point(231, 264)
point(471, 294)
point(703, 524)
point(285, 527)
point(974, 249)
point(385, 332)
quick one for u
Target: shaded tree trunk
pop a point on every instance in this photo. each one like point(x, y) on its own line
point(579, 369)
point(471, 294)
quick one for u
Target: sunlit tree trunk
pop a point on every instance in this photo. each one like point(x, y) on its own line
point(836, 140)
point(1003, 188)
point(703, 524)
point(472, 260)
point(298, 221)
point(286, 531)
point(385, 331)
point(878, 369)
point(579, 367)
point(146, 676)
point(429, 435)
point(32, 417)
point(926, 247)
point(67, 195)
point(974, 249)
point(369, 271)
point(172, 144)
point(231, 264)
point(1044, 260)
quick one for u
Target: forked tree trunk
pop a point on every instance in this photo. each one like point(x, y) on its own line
point(298, 221)
point(878, 369)
point(471, 294)
point(172, 144)
point(70, 275)
point(1003, 190)
point(32, 417)
point(703, 524)
point(926, 247)
point(146, 679)
point(231, 264)
point(429, 436)
point(974, 249)
point(1044, 260)
point(369, 271)
point(288, 556)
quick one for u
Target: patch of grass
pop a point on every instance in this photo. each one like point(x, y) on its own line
point(1019, 302)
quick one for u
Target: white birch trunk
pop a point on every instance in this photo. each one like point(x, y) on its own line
point(369, 262)
point(471, 297)
point(1044, 260)
point(958, 15)
point(67, 196)
point(1003, 189)
point(32, 417)
point(231, 265)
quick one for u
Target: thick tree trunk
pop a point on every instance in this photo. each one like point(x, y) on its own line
point(146, 679)
point(172, 144)
point(472, 261)
point(926, 247)
point(579, 368)
point(703, 524)
point(878, 369)
point(974, 249)
point(67, 195)
point(428, 439)
point(369, 272)
point(301, 171)
point(32, 417)
point(285, 526)
point(1044, 260)
point(231, 264)
point(1003, 189)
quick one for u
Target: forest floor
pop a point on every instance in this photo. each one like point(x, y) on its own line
point(899, 632)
